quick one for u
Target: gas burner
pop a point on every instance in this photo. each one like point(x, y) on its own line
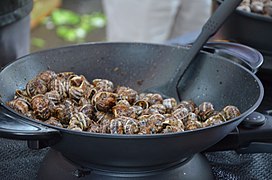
point(56, 166)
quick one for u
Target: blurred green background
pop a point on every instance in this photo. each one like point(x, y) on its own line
point(56, 23)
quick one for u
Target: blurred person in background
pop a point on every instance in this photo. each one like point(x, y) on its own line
point(154, 20)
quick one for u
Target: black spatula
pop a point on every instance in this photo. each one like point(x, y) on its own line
point(208, 30)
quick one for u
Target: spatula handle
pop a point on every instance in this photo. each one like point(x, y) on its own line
point(220, 15)
point(209, 29)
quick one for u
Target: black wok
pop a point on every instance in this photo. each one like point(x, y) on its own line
point(140, 66)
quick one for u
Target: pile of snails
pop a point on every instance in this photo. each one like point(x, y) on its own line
point(70, 101)
point(263, 7)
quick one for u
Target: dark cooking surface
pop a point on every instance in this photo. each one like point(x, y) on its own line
point(19, 162)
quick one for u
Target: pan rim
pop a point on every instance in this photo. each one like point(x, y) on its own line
point(135, 136)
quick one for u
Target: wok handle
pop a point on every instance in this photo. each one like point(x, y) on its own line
point(255, 139)
point(13, 126)
point(244, 55)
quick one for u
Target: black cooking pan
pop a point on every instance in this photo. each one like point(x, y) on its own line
point(247, 28)
point(140, 66)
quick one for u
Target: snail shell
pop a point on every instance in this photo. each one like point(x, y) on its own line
point(142, 103)
point(257, 6)
point(169, 104)
point(53, 121)
point(57, 85)
point(75, 89)
point(76, 93)
point(22, 94)
point(244, 8)
point(190, 105)
point(126, 93)
point(123, 102)
point(47, 76)
point(40, 106)
point(268, 8)
point(191, 125)
point(88, 110)
point(116, 125)
point(171, 121)
point(144, 130)
point(65, 75)
point(181, 114)
point(20, 105)
point(36, 86)
point(83, 101)
point(64, 111)
point(172, 129)
point(80, 120)
point(136, 111)
point(104, 101)
point(53, 96)
point(160, 108)
point(192, 117)
point(231, 112)
point(155, 123)
point(105, 125)
point(154, 99)
point(79, 87)
point(94, 128)
point(143, 123)
point(75, 127)
point(213, 120)
point(205, 109)
point(121, 110)
point(103, 85)
point(100, 116)
point(131, 126)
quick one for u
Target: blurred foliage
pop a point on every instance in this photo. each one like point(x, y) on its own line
point(37, 42)
point(64, 17)
point(74, 27)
